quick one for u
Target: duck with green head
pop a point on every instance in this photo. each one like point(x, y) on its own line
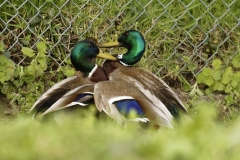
point(161, 103)
point(134, 89)
point(75, 89)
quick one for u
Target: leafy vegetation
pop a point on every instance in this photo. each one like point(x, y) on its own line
point(35, 52)
point(200, 137)
point(23, 85)
point(224, 79)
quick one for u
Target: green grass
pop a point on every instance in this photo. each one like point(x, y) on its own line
point(197, 137)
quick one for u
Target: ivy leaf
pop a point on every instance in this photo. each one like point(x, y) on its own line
point(207, 72)
point(217, 75)
point(216, 63)
point(27, 51)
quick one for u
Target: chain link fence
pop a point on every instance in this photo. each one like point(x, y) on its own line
point(183, 36)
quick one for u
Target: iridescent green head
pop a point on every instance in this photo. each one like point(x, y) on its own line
point(134, 42)
point(83, 56)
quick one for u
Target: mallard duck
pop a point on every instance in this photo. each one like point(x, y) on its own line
point(130, 88)
point(161, 103)
point(80, 88)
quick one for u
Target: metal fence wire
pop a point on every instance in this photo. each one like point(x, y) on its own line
point(182, 35)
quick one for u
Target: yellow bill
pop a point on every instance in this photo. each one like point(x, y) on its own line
point(110, 44)
point(105, 55)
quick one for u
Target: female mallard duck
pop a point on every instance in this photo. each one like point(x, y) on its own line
point(161, 103)
point(82, 57)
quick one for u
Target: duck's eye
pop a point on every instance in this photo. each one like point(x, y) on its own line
point(90, 45)
point(127, 33)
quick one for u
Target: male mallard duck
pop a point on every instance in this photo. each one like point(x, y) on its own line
point(79, 88)
point(161, 103)
point(130, 88)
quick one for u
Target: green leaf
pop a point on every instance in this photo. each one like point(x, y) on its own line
point(218, 86)
point(215, 85)
point(7, 54)
point(27, 51)
point(26, 40)
point(207, 72)
point(41, 55)
point(236, 62)
point(199, 92)
point(226, 76)
point(221, 87)
point(9, 73)
point(216, 63)
point(30, 70)
point(209, 81)
point(2, 46)
point(29, 78)
point(229, 98)
point(234, 83)
point(200, 78)
point(228, 71)
point(39, 70)
point(2, 78)
point(43, 63)
point(225, 79)
point(21, 73)
point(209, 91)
point(70, 72)
point(186, 87)
point(237, 76)
point(192, 66)
point(3, 60)
point(228, 89)
point(41, 46)
point(217, 75)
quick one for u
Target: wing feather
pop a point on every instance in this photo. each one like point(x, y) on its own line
point(57, 91)
point(71, 98)
point(105, 98)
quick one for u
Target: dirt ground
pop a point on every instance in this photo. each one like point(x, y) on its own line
point(6, 112)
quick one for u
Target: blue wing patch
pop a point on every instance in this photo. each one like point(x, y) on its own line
point(125, 106)
point(84, 99)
